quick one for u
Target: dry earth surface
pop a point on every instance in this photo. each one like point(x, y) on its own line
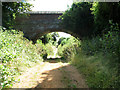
point(51, 75)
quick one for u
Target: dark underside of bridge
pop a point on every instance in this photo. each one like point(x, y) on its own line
point(37, 24)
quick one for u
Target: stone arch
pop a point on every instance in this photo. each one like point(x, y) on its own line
point(38, 35)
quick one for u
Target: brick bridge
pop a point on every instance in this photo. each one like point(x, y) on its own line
point(39, 23)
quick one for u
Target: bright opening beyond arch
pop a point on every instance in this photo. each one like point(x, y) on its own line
point(50, 5)
point(62, 34)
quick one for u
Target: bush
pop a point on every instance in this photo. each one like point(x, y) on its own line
point(44, 50)
point(98, 59)
point(16, 54)
point(41, 49)
point(108, 44)
point(69, 48)
point(6, 76)
point(103, 12)
point(91, 46)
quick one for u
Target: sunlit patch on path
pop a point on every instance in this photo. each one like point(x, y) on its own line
point(50, 75)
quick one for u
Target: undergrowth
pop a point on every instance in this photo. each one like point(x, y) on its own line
point(17, 54)
point(97, 71)
point(69, 48)
point(96, 58)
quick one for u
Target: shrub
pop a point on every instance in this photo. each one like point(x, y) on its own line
point(98, 59)
point(44, 50)
point(108, 44)
point(69, 48)
point(16, 54)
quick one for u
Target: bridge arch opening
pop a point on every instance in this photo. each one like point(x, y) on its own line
point(56, 43)
point(61, 32)
point(39, 23)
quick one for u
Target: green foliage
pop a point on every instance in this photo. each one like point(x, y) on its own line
point(16, 54)
point(49, 49)
point(110, 40)
point(92, 46)
point(63, 41)
point(68, 48)
point(98, 59)
point(108, 43)
point(86, 18)
point(78, 19)
point(44, 50)
point(10, 10)
point(103, 12)
point(41, 49)
point(5, 72)
point(96, 70)
point(50, 38)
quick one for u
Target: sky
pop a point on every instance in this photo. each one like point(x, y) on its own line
point(62, 34)
point(50, 5)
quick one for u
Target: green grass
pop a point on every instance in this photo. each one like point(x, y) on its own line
point(96, 70)
point(98, 60)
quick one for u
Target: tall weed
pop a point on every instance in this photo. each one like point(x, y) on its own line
point(16, 54)
point(97, 58)
point(67, 50)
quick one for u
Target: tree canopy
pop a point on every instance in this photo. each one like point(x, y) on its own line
point(78, 19)
point(12, 9)
point(103, 12)
point(87, 19)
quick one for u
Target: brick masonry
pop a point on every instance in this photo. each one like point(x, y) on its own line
point(38, 24)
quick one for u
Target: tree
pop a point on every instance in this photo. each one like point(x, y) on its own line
point(60, 40)
point(50, 38)
point(12, 9)
point(78, 19)
point(103, 12)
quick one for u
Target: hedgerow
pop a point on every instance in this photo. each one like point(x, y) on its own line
point(16, 54)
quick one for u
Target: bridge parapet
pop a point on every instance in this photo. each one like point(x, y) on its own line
point(45, 12)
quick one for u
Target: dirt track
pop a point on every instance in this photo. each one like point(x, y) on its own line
point(51, 75)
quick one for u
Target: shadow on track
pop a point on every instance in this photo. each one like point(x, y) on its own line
point(55, 60)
